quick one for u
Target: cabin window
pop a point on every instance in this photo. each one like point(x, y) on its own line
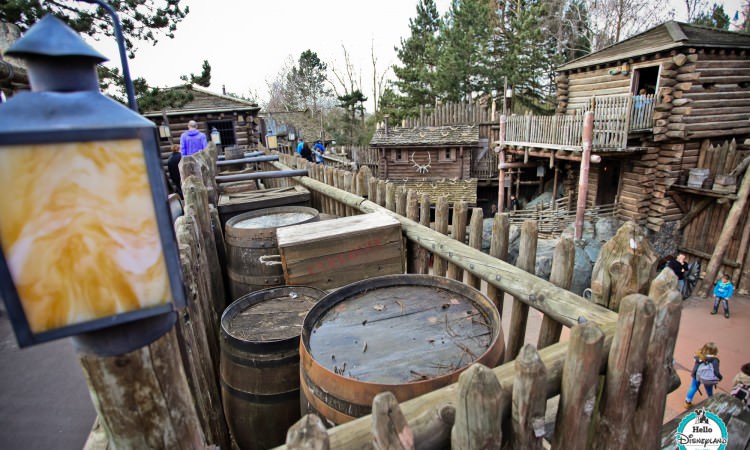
point(645, 79)
point(399, 155)
point(226, 131)
point(447, 154)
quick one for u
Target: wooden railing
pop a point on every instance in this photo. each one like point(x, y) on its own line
point(614, 118)
point(616, 346)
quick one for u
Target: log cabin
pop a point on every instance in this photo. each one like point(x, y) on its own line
point(434, 159)
point(666, 102)
point(236, 119)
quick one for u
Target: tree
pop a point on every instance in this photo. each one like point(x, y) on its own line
point(462, 66)
point(204, 79)
point(353, 102)
point(415, 77)
point(614, 20)
point(716, 18)
point(143, 20)
point(309, 79)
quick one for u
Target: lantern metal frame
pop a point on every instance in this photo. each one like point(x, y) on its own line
point(149, 140)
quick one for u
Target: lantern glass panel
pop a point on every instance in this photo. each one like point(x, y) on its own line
point(79, 231)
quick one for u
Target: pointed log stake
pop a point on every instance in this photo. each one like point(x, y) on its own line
point(499, 250)
point(389, 428)
point(432, 429)
point(625, 364)
point(460, 213)
point(647, 422)
point(529, 400)
point(479, 413)
point(520, 315)
point(308, 433)
point(579, 384)
point(475, 241)
point(563, 264)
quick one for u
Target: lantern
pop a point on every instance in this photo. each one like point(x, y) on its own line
point(88, 247)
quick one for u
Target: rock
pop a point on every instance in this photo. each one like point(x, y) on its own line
point(514, 241)
point(487, 234)
point(582, 271)
point(606, 227)
point(545, 250)
point(592, 249)
point(589, 231)
point(544, 198)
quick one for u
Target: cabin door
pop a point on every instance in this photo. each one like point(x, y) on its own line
point(609, 180)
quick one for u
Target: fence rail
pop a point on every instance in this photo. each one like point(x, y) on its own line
point(614, 118)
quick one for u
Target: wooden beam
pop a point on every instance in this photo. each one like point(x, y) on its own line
point(678, 200)
point(705, 255)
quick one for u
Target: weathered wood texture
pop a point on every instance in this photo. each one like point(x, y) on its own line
point(440, 265)
point(475, 241)
point(390, 430)
point(460, 211)
point(308, 433)
point(499, 250)
point(336, 252)
point(625, 265)
point(143, 399)
point(520, 313)
point(648, 418)
point(561, 275)
point(626, 361)
point(529, 400)
point(479, 410)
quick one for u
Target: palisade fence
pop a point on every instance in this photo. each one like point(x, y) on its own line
point(550, 390)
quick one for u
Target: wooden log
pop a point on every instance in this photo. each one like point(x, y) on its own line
point(563, 264)
point(520, 313)
point(381, 193)
point(696, 209)
point(479, 411)
point(440, 265)
point(401, 200)
point(499, 250)
point(649, 414)
point(390, 431)
point(460, 212)
point(475, 241)
point(390, 197)
point(432, 429)
point(679, 60)
point(682, 77)
point(196, 204)
point(627, 358)
point(308, 433)
point(412, 248)
point(372, 189)
point(142, 398)
point(579, 385)
point(349, 187)
point(424, 220)
point(684, 86)
point(529, 400)
point(725, 238)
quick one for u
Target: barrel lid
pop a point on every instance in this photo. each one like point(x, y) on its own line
point(403, 332)
point(270, 315)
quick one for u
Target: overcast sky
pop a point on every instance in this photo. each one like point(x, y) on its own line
point(247, 42)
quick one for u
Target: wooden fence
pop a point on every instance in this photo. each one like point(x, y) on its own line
point(607, 349)
point(614, 117)
point(552, 219)
point(452, 114)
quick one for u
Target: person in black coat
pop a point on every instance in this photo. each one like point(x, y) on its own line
point(307, 153)
point(173, 167)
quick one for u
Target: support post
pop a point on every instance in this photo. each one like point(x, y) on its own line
point(583, 179)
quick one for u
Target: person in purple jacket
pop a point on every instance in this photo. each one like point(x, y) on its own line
point(192, 140)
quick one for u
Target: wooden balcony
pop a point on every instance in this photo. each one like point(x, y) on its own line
point(615, 117)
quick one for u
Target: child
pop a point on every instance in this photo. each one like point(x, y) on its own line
point(722, 292)
point(705, 360)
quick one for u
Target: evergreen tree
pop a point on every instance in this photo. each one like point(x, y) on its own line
point(716, 18)
point(352, 103)
point(309, 79)
point(415, 78)
point(462, 64)
point(204, 79)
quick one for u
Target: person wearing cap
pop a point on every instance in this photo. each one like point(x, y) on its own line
point(192, 140)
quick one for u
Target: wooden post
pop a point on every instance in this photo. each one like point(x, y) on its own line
point(529, 400)
point(460, 212)
point(308, 433)
point(563, 265)
point(479, 411)
point(401, 201)
point(390, 197)
point(501, 159)
point(372, 189)
point(348, 187)
point(499, 250)
point(142, 398)
point(412, 248)
point(381, 193)
point(440, 266)
point(578, 387)
point(649, 414)
point(520, 314)
point(626, 361)
point(390, 431)
point(424, 220)
point(583, 179)
point(725, 238)
point(476, 227)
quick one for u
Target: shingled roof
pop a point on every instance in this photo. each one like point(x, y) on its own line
point(427, 136)
point(205, 100)
point(667, 36)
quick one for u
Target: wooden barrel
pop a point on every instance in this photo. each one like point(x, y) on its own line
point(252, 235)
point(259, 364)
point(408, 334)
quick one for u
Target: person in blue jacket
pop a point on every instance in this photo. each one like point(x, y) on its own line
point(300, 144)
point(318, 150)
point(722, 292)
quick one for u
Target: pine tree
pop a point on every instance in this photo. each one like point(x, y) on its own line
point(462, 64)
point(419, 58)
point(309, 79)
point(716, 18)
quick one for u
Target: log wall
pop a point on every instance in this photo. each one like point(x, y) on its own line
point(458, 167)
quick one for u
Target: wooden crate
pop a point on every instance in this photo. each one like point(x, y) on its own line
point(337, 252)
point(232, 204)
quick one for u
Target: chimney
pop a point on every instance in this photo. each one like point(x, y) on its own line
point(224, 89)
point(385, 125)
